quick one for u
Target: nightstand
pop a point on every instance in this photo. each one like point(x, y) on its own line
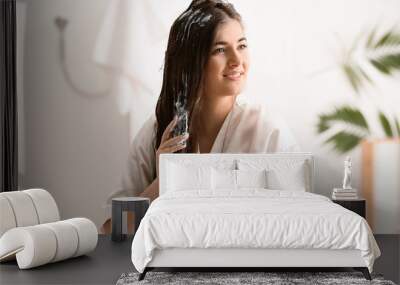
point(358, 206)
point(138, 205)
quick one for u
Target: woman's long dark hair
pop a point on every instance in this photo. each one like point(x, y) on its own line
point(189, 45)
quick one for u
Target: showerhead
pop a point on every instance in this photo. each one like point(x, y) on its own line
point(61, 23)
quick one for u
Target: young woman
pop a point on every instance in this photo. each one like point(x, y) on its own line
point(205, 69)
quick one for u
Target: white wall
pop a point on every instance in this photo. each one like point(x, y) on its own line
point(76, 148)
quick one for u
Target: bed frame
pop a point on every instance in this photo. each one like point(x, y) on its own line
point(259, 259)
point(246, 259)
point(240, 259)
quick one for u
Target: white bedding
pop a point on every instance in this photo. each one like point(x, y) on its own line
point(250, 218)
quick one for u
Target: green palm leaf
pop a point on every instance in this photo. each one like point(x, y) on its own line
point(371, 38)
point(344, 114)
point(353, 76)
point(396, 122)
point(356, 75)
point(387, 63)
point(382, 52)
point(385, 125)
point(344, 142)
point(391, 37)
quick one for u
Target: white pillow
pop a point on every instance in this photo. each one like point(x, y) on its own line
point(287, 179)
point(282, 174)
point(228, 179)
point(223, 179)
point(188, 177)
point(251, 178)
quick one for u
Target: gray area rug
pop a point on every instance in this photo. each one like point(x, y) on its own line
point(273, 278)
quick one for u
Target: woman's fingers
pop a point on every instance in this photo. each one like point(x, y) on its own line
point(175, 140)
point(175, 143)
point(168, 129)
point(170, 145)
point(174, 148)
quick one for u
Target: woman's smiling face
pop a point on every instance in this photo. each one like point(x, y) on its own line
point(226, 69)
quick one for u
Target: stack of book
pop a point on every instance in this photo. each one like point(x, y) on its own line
point(344, 194)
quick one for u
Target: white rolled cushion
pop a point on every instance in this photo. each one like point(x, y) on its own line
point(34, 245)
point(223, 179)
point(67, 239)
point(181, 177)
point(251, 178)
point(26, 208)
point(23, 208)
point(7, 218)
point(45, 205)
point(87, 235)
point(45, 243)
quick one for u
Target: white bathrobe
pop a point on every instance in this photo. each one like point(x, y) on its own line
point(246, 129)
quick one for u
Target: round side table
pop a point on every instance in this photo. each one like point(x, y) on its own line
point(137, 205)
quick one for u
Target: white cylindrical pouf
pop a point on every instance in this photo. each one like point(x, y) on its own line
point(87, 234)
point(7, 218)
point(45, 205)
point(67, 239)
point(23, 208)
point(34, 245)
point(31, 232)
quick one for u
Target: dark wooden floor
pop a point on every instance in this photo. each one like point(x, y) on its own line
point(389, 262)
point(110, 260)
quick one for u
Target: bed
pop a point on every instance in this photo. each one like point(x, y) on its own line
point(247, 210)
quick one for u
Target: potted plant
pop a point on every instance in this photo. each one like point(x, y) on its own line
point(347, 127)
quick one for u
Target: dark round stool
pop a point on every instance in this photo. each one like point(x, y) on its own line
point(137, 205)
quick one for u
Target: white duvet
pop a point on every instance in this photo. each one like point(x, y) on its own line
point(251, 218)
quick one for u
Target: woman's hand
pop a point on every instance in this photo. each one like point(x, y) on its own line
point(170, 144)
